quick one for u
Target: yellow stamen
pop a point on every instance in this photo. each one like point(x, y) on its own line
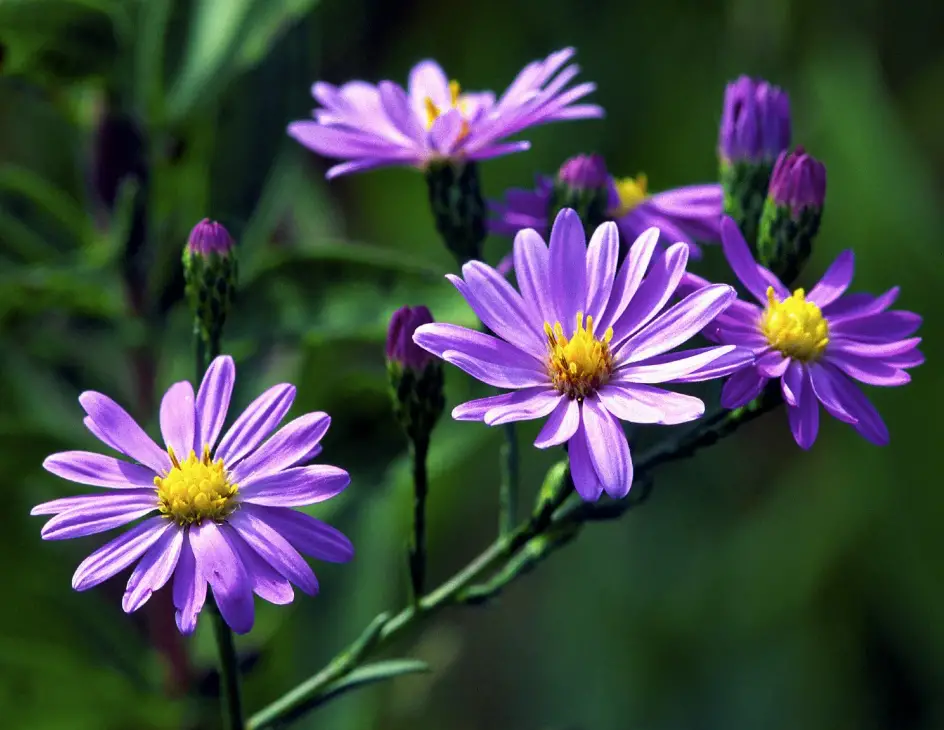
point(632, 191)
point(795, 326)
point(580, 365)
point(456, 101)
point(195, 489)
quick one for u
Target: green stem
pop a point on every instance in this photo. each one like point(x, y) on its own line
point(419, 450)
point(508, 491)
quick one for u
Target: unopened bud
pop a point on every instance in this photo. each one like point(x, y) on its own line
point(210, 272)
point(582, 184)
point(455, 198)
point(416, 377)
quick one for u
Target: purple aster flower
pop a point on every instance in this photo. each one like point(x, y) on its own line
point(433, 119)
point(814, 343)
point(209, 237)
point(755, 122)
point(217, 514)
point(584, 172)
point(585, 344)
point(687, 214)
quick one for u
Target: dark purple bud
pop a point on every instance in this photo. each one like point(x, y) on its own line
point(209, 237)
point(755, 122)
point(798, 181)
point(584, 172)
point(400, 346)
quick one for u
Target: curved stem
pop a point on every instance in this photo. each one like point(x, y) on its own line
point(419, 449)
point(508, 491)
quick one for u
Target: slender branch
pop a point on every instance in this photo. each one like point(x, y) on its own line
point(419, 450)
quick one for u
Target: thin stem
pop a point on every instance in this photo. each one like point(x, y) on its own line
point(229, 670)
point(508, 491)
point(419, 450)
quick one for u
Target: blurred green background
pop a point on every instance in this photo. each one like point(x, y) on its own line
point(761, 586)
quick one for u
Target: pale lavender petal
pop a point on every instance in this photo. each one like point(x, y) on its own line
point(568, 268)
point(609, 450)
point(737, 359)
point(835, 281)
point(475, 410)
point(741, 261)
point(440, 338)
point(213, 401)
point(630, 276)
point(98, 470)
point(645, 404)
point(115, 556)
point(367, 163)
point(602, 253)
point(178, 418)
point(401, 114)
point(868, 421)
point(190, 589)
point(287, 447)
point(673, 366)
point(867, 370)
point(155, 569)
point(561, 426)
point(524, 405)
point(255, 423)
point(772, 364)
point(499, 150)
point(220, 566)
point(266, 540)
point(64, 504)
point(791, 385)
point(532, 264)
point(428, 80)
point(295, 487)
point(445, 131)
point(307, 534)
point(99, 516)
point(332, 141)
point(582, 471)
point(98, 433)
point(677, 325)
point(501, 376)
point(656, 289)
point(122, 431)
point(804, 418)
point(894, 348)
point(742, 387)
point(881, 327)
point(822, 378)
point(267, 582)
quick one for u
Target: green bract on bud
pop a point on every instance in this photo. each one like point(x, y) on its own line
point(210, 272)
point(416, 377)
point(792, 214)
point(582, 184)
point(755, 128)
point(455, 197)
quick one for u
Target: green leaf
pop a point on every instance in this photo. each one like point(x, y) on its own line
point(57, 203)
point(369, 674)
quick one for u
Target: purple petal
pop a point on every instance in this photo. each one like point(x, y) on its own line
point(274, 548)
point(501, 376)
point(791, 385)
point(94, 516)
point(568, 267)
point(867, 370)
point(737, 359)
point(823, 381)
point(255, 423)
point(868, 421)
point(561, 426)
point(332, 141)
point(882, 327)
point(97, 470)
point(307, 534)
point(499, 150)
point(609, 450)
point(287, 447)
point(401, 114)
point(894, 348)
point(673, 366)
point(115, 556)
point(741, 388)
point(772, 364)
point(445, 131)
point(178, 418)
point(835, 281)
point(267, 582)
point(428, 80)
point(741, 262)
point(64, 504)
point(122, 432)
point(439, 338)
point(98, 433)
point(860, 305)
point(213, 401)
point(523, 405)
point(630, 276)
point(645, 404)
point(602, 253)
point(532, 266)
point(656, 289)
point(475, 410)
point(154, 570)
point(221, 567)
point(804, 418)
point(677, 325)
point(911, 359)
point(190, 588)
point(582, 471)
point(295, 487)
point(368, 163)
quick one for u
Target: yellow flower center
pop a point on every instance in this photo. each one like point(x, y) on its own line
point(456, 101)
point(632, 191)
point(795, 326)
point(580, 365)
point(195, 489)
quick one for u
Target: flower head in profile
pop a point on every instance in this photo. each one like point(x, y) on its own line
point(688, 214)
point(584, 344)
point(816, 343)
point(433, 119)
point(216, 511)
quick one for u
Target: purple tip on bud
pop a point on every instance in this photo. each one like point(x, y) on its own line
point(584, 172)
point(209, 237)
point(798, 181)
point(400, 346)
point(755, 123)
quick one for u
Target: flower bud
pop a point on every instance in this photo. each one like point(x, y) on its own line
point(755, 128)
point(455, 198)
point(583, 185)
point(792, 213)
point(210, 273)
point(416, 377)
